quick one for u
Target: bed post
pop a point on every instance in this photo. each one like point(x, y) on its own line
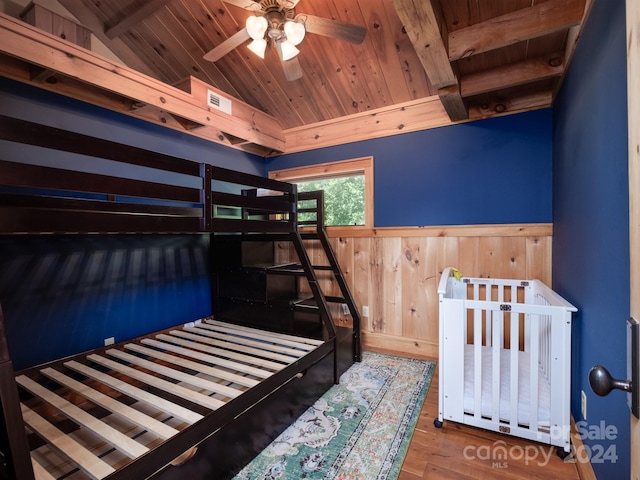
point(16, 461)
point(206, 174)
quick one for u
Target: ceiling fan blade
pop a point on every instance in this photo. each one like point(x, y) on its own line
point(292, 69)
point(246, 4)
point(229, 44)
point(333, 28)
point(288, 3)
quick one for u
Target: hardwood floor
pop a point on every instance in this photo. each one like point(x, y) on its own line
point(461, 452)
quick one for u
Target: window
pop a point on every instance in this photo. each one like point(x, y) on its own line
point(347, 185)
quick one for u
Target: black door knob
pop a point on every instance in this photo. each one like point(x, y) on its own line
point(602, 382)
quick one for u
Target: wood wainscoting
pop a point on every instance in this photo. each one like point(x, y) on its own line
point(394, 272)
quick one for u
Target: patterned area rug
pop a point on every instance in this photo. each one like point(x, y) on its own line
point(359, 429)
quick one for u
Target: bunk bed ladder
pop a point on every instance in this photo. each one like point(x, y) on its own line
point(319, 297)
point(314, 230)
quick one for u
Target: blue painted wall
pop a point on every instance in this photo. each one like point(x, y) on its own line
point(65, 294)
point(590, 214)
point(490, 171)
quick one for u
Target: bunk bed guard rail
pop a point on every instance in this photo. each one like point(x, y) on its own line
point(152, 192)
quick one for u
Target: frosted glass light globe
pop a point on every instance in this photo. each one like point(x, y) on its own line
point(294, 31)
point(256, 26)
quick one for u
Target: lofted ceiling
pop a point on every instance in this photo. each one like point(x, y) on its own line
point(478, 58)
point(483, 56)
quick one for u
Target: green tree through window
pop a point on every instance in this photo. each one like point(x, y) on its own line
point(343, 199)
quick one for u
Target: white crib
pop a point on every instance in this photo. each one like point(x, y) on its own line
point(505, 357)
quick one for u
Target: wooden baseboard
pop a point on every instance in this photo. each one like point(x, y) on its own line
point(409, 347)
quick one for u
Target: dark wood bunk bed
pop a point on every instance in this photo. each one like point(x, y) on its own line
point(226, 384)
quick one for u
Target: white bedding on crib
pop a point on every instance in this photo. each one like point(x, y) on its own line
point(544, 390)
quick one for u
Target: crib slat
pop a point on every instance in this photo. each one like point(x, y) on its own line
point(534, 372)
point(514, 377)
point(113, 437)
point(496, 347)
point(138, 394)
point(559, 371)
point(66, 445)
point(488, 322)
point(477, 362)
point(160, 429)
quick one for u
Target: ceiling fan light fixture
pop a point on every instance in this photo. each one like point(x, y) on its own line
point(256, 26)
point(258, 46)
point(294, 31)
point(286, 50)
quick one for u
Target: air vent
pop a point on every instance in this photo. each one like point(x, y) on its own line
point(219, 103)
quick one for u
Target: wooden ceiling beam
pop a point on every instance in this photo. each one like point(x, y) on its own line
point(453, 103)
point(508, 106)
point(512, 75)
point(91, 21)
point(411, 116)
point(147, 9)
point(524, 24)
point(35, 47)
point(427, 31)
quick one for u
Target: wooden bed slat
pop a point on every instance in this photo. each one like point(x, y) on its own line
point(40, 472)
point(66, 445)
point(265, 333)
point(238, 347)
point(178, 390)
point(206, 345)
point(255, 340)
point(176, 375)
point(136, 393)
point(113, 437)
point(268, 345)
point(198, 367)
point(150, 424)
point(212, 359)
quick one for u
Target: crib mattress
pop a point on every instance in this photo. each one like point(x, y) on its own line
point(89, 416)
point(524, 390)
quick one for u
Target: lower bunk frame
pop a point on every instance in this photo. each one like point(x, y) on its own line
point(129, 190)
point(156, 397)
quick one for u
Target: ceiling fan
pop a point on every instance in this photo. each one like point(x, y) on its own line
point(276, 21)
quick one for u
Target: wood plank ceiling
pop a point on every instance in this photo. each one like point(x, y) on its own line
point(483, 55)
point(480, 57)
